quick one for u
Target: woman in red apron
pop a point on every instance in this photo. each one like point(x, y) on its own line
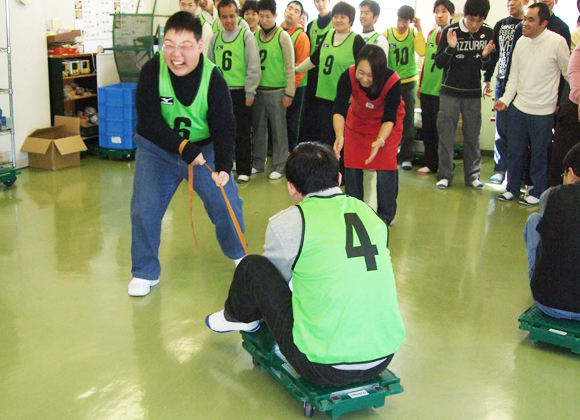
point(368, 122)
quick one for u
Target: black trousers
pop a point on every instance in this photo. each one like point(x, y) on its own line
point(387, 190)
point(243, 116)
point(325, 114)
point(567, 135)
point(429, 111)
point(293, 117)
point(258, 291)
point(309, 128)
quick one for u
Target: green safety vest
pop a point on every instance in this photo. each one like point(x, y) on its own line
point(432, 75)
point(402, 54)
point(373, 39)
point(333, 62)
point(189, 121)
point(272, 61)
point(215, 25)
point(202, 20)
point(230, 57)
point(344, 296)
point(294, 37)
point(317, 35)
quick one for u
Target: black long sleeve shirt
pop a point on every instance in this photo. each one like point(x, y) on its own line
point(463, 64)
point(503, 35)
point(220, 114)
point(344, 92)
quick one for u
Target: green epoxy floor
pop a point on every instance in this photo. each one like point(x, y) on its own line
point(73, 345)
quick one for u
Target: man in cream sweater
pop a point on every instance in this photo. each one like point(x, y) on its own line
point(539, 58)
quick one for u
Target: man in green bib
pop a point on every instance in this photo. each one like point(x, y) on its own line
point(404, 43)
point(430, 85)
point(369, 14)
point(316, 31)
point(275, 91)
point(325, 285)
point(184, 117)
point(235, 51)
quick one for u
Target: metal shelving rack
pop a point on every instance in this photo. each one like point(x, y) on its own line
point(8, 171)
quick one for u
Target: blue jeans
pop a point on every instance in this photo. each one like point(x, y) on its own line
point(157, 175)
point(532, 240)
point(387, 190)
point(501, 126)
point(523, 130)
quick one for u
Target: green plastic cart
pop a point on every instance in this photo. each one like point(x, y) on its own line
point(550, 330)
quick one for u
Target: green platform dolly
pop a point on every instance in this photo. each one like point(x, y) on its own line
point(108, 153)
point(334, 401)
point(544, 328)
point(8, 176)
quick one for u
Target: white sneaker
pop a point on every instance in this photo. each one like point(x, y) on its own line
point(255, 171)
point(424, 171)
point(529, 200)
point(218, 323)
point(497, 178)
point(242, 179)
point(442, 184)
point(275, 175)
point(141, 287)
point(506, 196)
point(406, 165)
point(477, 184)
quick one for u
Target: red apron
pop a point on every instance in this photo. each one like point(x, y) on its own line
point(363, 123)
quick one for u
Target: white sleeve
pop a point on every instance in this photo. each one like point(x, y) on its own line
point(514, 75)
point(563, 57)
point(384, 44)
point(206, 35)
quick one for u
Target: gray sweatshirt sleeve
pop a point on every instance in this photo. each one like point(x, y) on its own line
point(283, 236)
point(210, 52)
point(253, 69)
point(288, 53)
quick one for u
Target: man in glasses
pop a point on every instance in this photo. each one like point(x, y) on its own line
point(184, 117)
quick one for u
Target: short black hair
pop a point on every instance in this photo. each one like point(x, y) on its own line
point(476, 8)
point(267, 5)
point(572, 159)
point(343, 8)
point(445, 3)
point(373, 5)
point(226, 3)
point(543, 12)
point(298, 3)
point(377, 59)
point(312, 167)
point(184, 21)
point(406, 12)
point(250, 5)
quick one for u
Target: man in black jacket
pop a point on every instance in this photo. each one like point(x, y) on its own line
point(464, 51)
point(185, 117)
point(552, 239)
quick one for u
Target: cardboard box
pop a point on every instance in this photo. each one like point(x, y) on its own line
point(55, 147)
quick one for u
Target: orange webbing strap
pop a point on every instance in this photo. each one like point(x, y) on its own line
point(190, 189)
point(233, 216)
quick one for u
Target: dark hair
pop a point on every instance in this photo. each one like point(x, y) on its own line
point(184, 21)
point(267, 5)
point(578, 21)
point(343, 8)
point(373, 5)
point(543, 12)
point(445, 3)
point(298, 3)
point(305, 13)
point(250, 5)
point(312, 167)
point(406, 12)
point(476, 8)
point(377, 58)
point(226, 3)
point(572, 159)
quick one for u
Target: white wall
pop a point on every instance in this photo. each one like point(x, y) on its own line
point(29, 72)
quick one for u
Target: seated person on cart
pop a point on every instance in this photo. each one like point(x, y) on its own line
point(552, 240)
point(325, 285)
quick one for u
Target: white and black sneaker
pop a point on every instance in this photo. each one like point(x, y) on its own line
point(218, 323)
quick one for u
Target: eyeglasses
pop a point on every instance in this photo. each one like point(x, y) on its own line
point(183, 48)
